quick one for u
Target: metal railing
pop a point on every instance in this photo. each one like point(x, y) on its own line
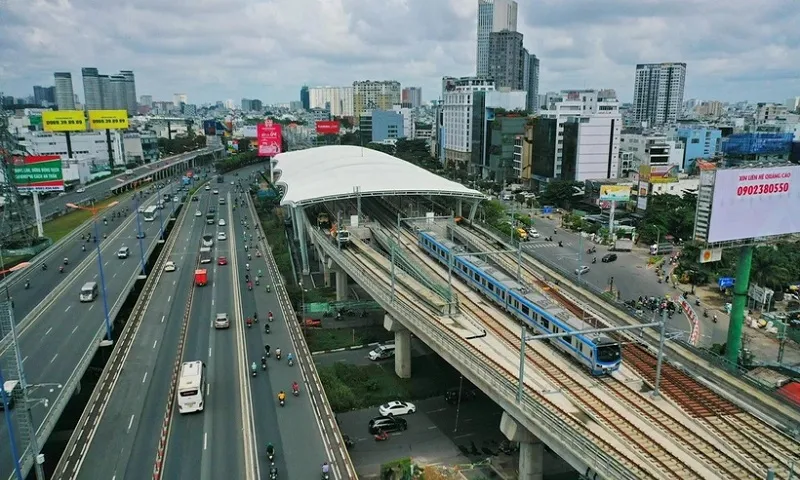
point(501, 389)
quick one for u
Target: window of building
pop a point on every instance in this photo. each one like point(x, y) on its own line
point(695, 140)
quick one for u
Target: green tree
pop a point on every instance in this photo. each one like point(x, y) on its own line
point(350, 138)
point(561, 193)
point(668, 214)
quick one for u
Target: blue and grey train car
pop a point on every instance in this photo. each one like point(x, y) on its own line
point(600, 354)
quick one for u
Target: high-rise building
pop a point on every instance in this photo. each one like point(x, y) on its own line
point(117, 97)
point(105, 92)
point(457, 117)
point(146, 100)
point(507, 60)
point(369, 95)
point(337, 100)
point(493, 16)
point(92, 95)
point(129, 91)
point(178, 98)
point(305, 98)
point(411, 97)
point(65, 97)
point(532, 82)
point(44, 95)
point(658, 92)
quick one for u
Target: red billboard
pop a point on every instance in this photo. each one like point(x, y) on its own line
point(269, 139)
point(327, 127)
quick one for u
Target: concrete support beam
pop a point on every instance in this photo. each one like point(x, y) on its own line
point(326, 272)
point(402, 346)
point(531, 449)
point(460, 207)
point(341, 285)
point(473, 209)
point(299, 218)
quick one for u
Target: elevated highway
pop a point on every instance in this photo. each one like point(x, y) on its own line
point(607, 427)
point(177, 165)
point(59, 335)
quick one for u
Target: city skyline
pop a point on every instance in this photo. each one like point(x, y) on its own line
point(580, 45)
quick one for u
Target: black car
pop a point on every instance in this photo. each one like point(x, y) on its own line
point(195, 199)
point(387, 424)
point(212, 210)
point(141, 234)
point(467, 395)
point(608, 257)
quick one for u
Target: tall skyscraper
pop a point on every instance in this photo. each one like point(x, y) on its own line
point(658, 92)
point(493, 16)
point(507, 60)
point(92, 95)
point(368, 95)
point(146, 100)
point(129, 91)
point(44, 95)
point(532, 82)
point(117, 99)
point(305, 98)
point(65, 97)
point(411, 97)
point(337, 100)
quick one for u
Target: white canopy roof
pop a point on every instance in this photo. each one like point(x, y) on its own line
point(333, 172)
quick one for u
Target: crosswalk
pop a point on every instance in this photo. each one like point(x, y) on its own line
point(535, 244)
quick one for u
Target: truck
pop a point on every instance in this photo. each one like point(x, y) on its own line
point(622, 244)
point(205, 255)
point(660, 249)
point(220, 179)
point(201, 277)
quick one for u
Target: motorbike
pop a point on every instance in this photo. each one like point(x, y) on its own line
point(705, 313)
point(27, 284)
point(263, 363)
point(256, 281)
point(266, 328)
point(44, 266)
point(282, 401)
point(83, 248)
point(296, 392)
point(697, 302)
point(594, 260)
point(254, 372)
point(249, 286)
point(271, 456)
point(61, 269)
point(348, 442)
point(273, 474)
point(326, 476)
point(249, 323)
point(268, 288)
point(291, 361)
point(381, 436)
point(278, 355)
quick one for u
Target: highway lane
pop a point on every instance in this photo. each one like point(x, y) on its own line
point(292, 429)
point(53, 344)
point(212, 438)
point(100, 189)
point(125, 442)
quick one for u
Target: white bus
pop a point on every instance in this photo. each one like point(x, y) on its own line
point(191, 387)
point(150, 213)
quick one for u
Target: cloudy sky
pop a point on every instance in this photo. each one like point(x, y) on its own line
point(220, 49)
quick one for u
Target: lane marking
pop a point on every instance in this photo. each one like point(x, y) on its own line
point(209, 352)
point(92, 306)
point(48, 331)
point(67, 309)
point(130, 423)
point(169, 298)
point(54, 358)
point(105, 264)
point(145, 377)
point(73, 329)
point(162, 318)
point(23, 360)
point(205, 441)
point(155, 343)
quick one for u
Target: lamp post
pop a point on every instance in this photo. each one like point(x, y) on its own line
point(95, 211)
point(139, 232)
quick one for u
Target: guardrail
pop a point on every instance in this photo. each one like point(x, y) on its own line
point(332, 436)
point(96, 406)
point(530, 412)
point(611, 308)
point(44, 304)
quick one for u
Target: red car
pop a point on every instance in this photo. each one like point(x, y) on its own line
point(222, 261)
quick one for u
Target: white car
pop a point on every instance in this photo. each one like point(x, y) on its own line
point(80, 190)
point(221, 222)
point(215, 192)
point(533, 233)
point(169, 266)
point(198, 213)
point(221, 236)
point(582, 270)
point(208, 187)
point(397, 408)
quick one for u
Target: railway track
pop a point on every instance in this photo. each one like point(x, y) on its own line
point(568, 418)
point(746, 434)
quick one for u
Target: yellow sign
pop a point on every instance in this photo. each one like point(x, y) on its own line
point(63, 121)
point(108, 119)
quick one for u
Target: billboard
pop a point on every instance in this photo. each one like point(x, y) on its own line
point(615, 193)
point(644, 191)
point(708, 255)
point(64, 121)
point(758, 143)
point(658, 173)
point(269, 139)
point(108, 119)
point(327, 127)
point(38, 173)
point(210, 127)
point(754, 202)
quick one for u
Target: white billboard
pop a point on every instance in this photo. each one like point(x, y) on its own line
point(755, 202)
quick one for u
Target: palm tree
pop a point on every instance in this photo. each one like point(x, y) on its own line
point(769, 269)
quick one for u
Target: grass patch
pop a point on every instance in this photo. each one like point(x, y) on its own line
point(319, 339)
point(62, 226)
point(352, 387)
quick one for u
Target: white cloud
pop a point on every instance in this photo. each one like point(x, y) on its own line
point(218, 49)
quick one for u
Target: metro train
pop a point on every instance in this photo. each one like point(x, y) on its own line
point(600, 354)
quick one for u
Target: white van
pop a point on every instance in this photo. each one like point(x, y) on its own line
point(382, 352)
point(89, 292)
point(13, 390)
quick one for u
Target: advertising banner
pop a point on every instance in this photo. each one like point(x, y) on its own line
point(63, 121)
point(38, 173)
point(269, 139)
point(708, 255)
point(108, 119)
point(327, 127)
point(615, 193)
point(754, 202)
point(658, 173)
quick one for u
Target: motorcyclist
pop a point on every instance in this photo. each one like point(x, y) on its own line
point(263, 361)
point(269, 316)
point(247, 266)
point(282, 396)
point(254, 367)
point(247, 278)
point(255, 316)
point(61, 269)
point(259, 272)
point(289, 357)
point(270, 449)
point(325, 468)
point(27, 284)
point(278, 352)
point(44, 266)
point(83, 247)
point(295, 387)
point(266, 349)
point(66, 261)
point(266, 328)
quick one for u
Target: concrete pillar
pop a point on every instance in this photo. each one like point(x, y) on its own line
point(295, 224)
point(341, 285)
point(402, 346)
point(531, 449)
point(459, 207)
point(326, 272)
point(473, 209)
point(301, 227)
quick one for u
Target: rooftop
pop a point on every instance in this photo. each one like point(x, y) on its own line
point(338, 172)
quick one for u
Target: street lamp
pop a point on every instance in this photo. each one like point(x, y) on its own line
point(95, 211)
point(139, 232)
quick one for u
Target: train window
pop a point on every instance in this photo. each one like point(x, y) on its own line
point(568, 339)
point(491, 286)
point(545, 323)
point(525, 310)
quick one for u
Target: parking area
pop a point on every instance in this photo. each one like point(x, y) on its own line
point(440, 433)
